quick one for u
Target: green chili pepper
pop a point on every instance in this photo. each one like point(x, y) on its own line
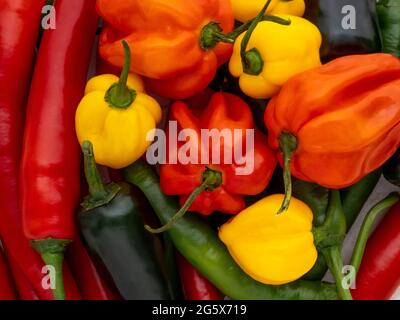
point(200, 245)
point(317, 198)
point(389, 22)
point(112, 226)
point(347, 26)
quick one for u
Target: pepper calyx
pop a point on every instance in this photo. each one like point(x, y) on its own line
point(253, 62)
point(212, 34)
point(212, 179)
point(119, 95)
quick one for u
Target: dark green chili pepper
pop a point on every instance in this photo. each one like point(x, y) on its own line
point(347, 26)
point(389, 22)
point(391, 170)
point(112, 226)
point(200, 245)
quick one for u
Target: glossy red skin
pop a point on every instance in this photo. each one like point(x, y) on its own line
point(25, 288)
point(195, 285)
point(379, 274)
point(19, 28)
point(90, 283)
point(7, 291)
point(50, 170)
point(225, 111)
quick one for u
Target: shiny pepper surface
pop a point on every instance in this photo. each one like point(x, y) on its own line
point(244, 10)
point(278, 52)
point(273, 249)
point(166, 41)
point(342, 120)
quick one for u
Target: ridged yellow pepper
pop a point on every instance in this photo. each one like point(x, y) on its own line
point(116, 116)
point(245, 10)
point(275, 52)
point(272, 249)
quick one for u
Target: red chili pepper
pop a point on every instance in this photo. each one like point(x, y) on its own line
point(19, 28)
point(25, 288)
point(379, 273)
point(90, 282)
point(7, 291)
point(50, 169)
point(195, 285)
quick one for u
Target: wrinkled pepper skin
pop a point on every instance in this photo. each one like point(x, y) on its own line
point(285, 50)
point(389, 22)
point(279, 253)
point(245, 10)
point(340, 36)
point(115, 234)
point(118, 135)
point(224, 111)
point(345, 117)
point(167, 54)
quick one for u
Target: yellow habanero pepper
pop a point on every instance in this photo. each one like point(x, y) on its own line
point(274, 53)
point(245, 10)
point(117, 117)
point(272, 249)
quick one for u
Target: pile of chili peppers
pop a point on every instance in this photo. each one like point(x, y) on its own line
point(224, 148)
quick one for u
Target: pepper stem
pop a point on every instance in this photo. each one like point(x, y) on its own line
point(52, 253)
point(212, 33)
point(288, 145)
point(99, 193)
point(119, 95)
point(210, 180)
point(97, 190)
point(367, 225)
point(333, 258)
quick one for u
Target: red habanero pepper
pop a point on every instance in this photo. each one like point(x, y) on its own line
point(19, 29)
point(88, 279)
point(7, 291)
point(379, 273)
point(222, 165)
point(335, 124)
point(195, 285)
point(50, 170)
point(176, 43)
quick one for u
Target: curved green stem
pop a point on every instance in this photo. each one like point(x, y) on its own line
point(210, 180)
point(367, 226)
point(119, 95)
point(52, 252)
point(96, 186)
point(99, 194)
point(288, 145)
point(333, 258)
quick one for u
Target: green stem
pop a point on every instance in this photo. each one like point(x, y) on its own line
point(288, 145)
point(367, 226)
point(333, 258)
point(96, 186)
point(119, 95)
point(52, 253)
point(210, 180)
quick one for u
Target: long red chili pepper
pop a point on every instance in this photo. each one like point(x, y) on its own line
point(89, 280)
point(51, 155)
point(25, 289)
point(7, 291)
point(379, 273)
point(19, 28)
point(195, 285)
